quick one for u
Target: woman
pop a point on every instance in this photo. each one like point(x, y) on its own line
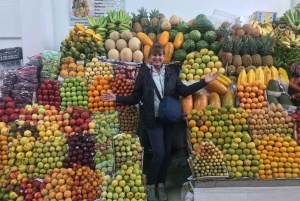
point(160, 135)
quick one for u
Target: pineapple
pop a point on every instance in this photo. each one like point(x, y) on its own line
point(265, 44)
point(237, 59)
point(154, 18)
point(137, 27)
point(143, 16)
point(152, 36)
point(256, 58)
point(227, 45)
point(246, 58)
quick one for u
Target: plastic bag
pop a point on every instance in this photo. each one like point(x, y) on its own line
point(51, 65)
point(26, 79)
point(10, 78)
point(22, 97)
point(187, 192)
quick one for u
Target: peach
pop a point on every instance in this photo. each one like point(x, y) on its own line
point(66, 116)
point(41, 116)
point(59, 117)
point(47, 123)
point(54, 111)
point(46, 118)
point(47, 107)
point(52, 118)
point(34, 116)
point(48, 113)
point(59, 123)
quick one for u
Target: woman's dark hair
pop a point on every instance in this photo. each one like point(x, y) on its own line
point(156, 48)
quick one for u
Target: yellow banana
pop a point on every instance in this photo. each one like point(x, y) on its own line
point(255, 24)
point(251, 23)
point(297, 39)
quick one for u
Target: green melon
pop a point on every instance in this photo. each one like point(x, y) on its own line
point(201, 16)
point(215, 47)
point(188, 46)
point(210, 36)
point(203, 25)
point(172, 33)
point(182, 27)
point(195, 35)
point(179, 55)
point(202, 44)
point(186, 36)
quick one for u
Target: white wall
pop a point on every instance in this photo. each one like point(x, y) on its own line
point(48, 20)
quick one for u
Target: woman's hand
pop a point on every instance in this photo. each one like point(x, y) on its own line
point(209, 78)
point(110, 97)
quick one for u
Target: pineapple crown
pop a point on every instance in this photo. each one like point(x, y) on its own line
point(154, 13)
point(227, 44)
point(135, 18)
point(246, 46)
point(142, 13)
point(253, 44)
point(225, 31)
point(237, 45)
point(265, 44)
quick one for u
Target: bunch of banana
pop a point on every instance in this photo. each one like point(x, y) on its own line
point(98, 25)
point(264, 29)
point(118, 21)
point(288, 39)
point(292, 18)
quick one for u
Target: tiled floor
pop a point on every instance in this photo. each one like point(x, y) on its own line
point(177, 174)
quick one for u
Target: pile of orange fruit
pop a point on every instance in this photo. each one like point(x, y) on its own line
point(251, 97)
point(279, 157)
point(100, 85)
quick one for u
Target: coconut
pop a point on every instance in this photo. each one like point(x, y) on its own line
point(255, 32)
point(225, 24)
point(247, 28)
point(240, 33)
point(236, 27)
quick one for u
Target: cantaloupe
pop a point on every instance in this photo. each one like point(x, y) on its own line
point(134, 44)
point(166, 26)
point(126, 55)
point(113, 54)
point(114, 36)
point(174, 19)
point(126, 35)
point(121, 43)
point(138, 56)
point(110, 44)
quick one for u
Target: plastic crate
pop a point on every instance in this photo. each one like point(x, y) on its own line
point(10, 54)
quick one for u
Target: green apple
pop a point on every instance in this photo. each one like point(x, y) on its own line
point(182, 76)
point(68, 89)
point(79, 93)
point(80, 98)
point(70, 85)
point(82, 84)
point(199, 72)
point(74, 98)
point(73, 80)
point(78, 79)
point(62, 89)
point(73, 89)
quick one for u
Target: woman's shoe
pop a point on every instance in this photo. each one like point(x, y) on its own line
point(162, 196)
point(150, 190)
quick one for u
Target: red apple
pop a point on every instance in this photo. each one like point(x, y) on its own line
point(79, 121)
point(84, 126)
point(65, 122)
point(9, 111)
point(2, 112)
point(49, 86)
point(51, 98)
point(57, 98)
point(40, 102)
point(22, 111)
point(28, 117)
point(55, 87)
point(10, 105)
point(40, 97)
point(35, 111)
point(57, 104)
point(39, 92)
point(76, 115)
point(45, 102)
point(42, 87)
point(57, 93)
point(14, 117)
point(50, 92)
point(72, 122)
point(45, 92)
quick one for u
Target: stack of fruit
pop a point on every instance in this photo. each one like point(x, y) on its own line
point(128, 150)
point(48, 93)
point(32, 114)
point(82, 44)
point(275, 121)
point(199, 64)
point(95, 68)
point(251, 97)
point(107, 125)
point(99, 86)
point(208, 160)
point(81, 151)
point(8, 111)
point(124, 47)
point(71, 69)
point(127, 184)
point(128, 118)
point(80, 120)
point(29, 189)
point(73, 92)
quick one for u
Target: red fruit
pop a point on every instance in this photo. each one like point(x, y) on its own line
point(9, 111)
point(88, 120)
point(2, 112)
point(53, 82)
point(39, 92)
point(57, 98)
point(7, 99)
point(47, 81)
point(79, 121)
point(84, 126)
point(51, 98)
point(49, 86)
point(10, 104)
point(40, 97)
point(294, 116)
point(23, 185)
point(28, 117)
point(5, 118)
point(45, 98)
point(85, 115)
point(50, 92)
point(43, 86)
point(40, 102)
point(80, 109)
point(55, 87)
point(77, 129)
point(38, 195)
point(45, 102)
point(56, 104)
point(76, 115)
point(2, 105)
point(14, 117)
point(45, 92)
point(72, 122)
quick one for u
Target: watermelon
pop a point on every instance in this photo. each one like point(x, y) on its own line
point(182, 27)
point(186, 36)
point(201, 16)
point(179, 55)
point(172, 35)
point(203, 25)
point(202, 44)
point(210, 36)
point(188, 46)
point(215, 47)
point(195, 35)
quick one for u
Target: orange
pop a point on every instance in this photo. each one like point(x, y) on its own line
point(254, 89)
point(285, 144)
point(91, 99)
point(243, 100)
point(106, 87)
point(255, 84)
point(245, 84)
point(249, 100)
point(261, 172)
point(242, 105)
point(252, 95)
point(203, 129)
point(275, 149)
point(95, 93)
point(95, 105)
point(260, 98)
point(248, 111)
point(270, 177)
point(247, 106)
point(112, 108)
point(267, 166)
point(100, 104)
point(101, 109)
point(283, 149)
point(103, 82)
point(192, 123)
point(292, 155)
point(264, 103)
point(282, 159)
point(240, 88)
point(248, 89)
point(92, 88)
point(90, 93)
point(297, 149)
point(285, 155)
point(269, 148)
point(106, 104)
point(90, 105)
point(97, 99)
point(240, 94)
point(275, 159)
point(263, 156)
point(106, 108)
point(267, 161)
point(274, 165)
point(111, 104)
point(99, 87)
point(293, 143)
point(95, 83)
point(262, 86)
point(280, 139)
point(193, 140)
point(260, 92)
point(278, 144)
point(108, 78)
point(261, 147)
point(266, 138)
point(246, 95)
point(263, 177)
point(103, 92)
point(258, 105)
point(254, 100)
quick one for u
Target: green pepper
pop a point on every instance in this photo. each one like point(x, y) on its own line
point(63, 60)
point(62, 54)
point(92, 44)
point(76, 55)
point(94, 49)
point(101, 49)
point(73, 49)
point(64, 43)
point(87, 50)
point(90, 56)
point(82, 56)
point(78, 46)
point(88, 39)
point(71, 43)
point(63, 49)
point(68, 54)
point(84, 45)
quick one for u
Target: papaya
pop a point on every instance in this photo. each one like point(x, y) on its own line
point(228, 100)
point(187, 104)
point(216, 86)
point(214, 100)
point(200, 100)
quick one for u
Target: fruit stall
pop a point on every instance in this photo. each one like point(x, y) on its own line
point(60, 141)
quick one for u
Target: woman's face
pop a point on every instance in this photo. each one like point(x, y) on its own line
point(157, 58)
